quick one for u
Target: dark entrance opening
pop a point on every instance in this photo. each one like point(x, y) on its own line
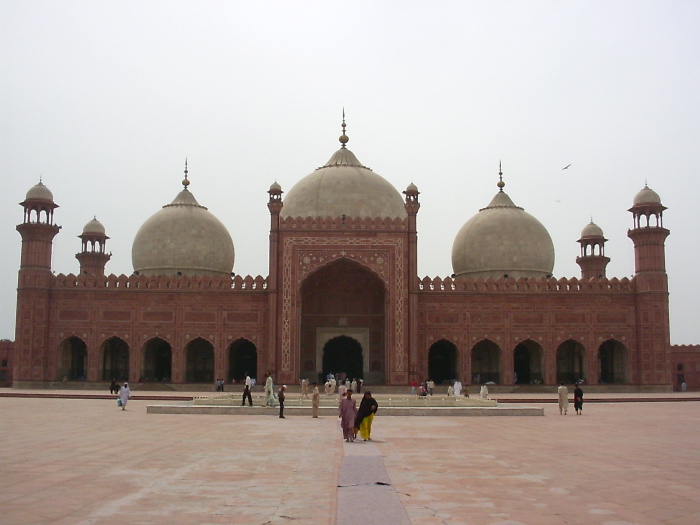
point(343, 354)
point(243, 357)
point(442, 362)
point(570, 364)
point(157, 360)
point(521, 364)
point(73, 359)
point(200, 361)
point(115, 359)
point(612, 355)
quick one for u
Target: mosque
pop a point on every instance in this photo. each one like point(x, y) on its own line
point(342, 294)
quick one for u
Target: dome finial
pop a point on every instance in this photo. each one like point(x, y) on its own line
point(343, 138)
point(500, 182)
point(185, 181)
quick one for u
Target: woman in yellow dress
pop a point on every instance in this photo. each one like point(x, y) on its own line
point(365, 415)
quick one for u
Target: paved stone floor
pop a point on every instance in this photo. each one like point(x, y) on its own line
point(81, 461)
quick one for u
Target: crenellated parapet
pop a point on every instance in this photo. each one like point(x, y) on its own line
point(523, 285)
point(343, 223)
point(147, 282)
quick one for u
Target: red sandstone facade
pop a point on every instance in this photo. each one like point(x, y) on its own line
point(340, 287)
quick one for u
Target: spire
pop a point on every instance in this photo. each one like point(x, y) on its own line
point(500, 182)
point(185, 181)
point(343, 138)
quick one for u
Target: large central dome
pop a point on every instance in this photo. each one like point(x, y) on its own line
point(343, 187)
point(183, 238)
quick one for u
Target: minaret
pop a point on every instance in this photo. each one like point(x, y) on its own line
point(93, 256)
point(592, 260)
point(651, 286)
point(34, 285)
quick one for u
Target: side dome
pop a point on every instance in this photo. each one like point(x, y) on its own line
point(591, 230)
point(646, 196)
point(40, 192)
point(94, 226)
point(343, 186)
point(502, 240)
point(183, 238)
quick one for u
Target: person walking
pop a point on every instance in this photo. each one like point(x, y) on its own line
point(315, 400)
point(280, 397)
point(365, 416)
point(563, 394)
point(347, 410)
point(246, 391)
point(578, 399)
point(269, 391)
point(124, 394)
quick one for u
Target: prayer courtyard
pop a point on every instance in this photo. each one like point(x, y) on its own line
point(630, 459)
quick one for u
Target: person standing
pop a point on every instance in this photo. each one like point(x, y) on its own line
point(347, 410)
point(342, 389)
point(113, 387)
point(431, 385)
point(484, 392)
point(269, 391)
point(578, 399)
point(458, 388)
point(365, 416)
point(124, 394)
point(315, 400)
point(305, 388)
point(414, 385)
point(280, 397)
point(563, 394)
point(246, 391)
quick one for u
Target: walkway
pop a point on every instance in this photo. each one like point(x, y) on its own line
point(83, 461)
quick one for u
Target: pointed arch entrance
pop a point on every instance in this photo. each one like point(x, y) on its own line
point(73, 359)
point(115, 359)
point(343, 355)
point(343, 298)
point(527, 363)
point(486, 362)
point(242, 359)
point(157, 360)
point(612, 359)
point(199, 367)
point(442, 361)
point(570, 362)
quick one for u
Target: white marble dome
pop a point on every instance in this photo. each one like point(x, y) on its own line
point(343, 186)
point(647, 196)
point(94, 226)
point(502, 240)
point(183, 238)
point(40, 192)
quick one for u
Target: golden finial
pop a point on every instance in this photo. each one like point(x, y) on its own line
point(185, 181)
point(500, 182)
point(343, 138)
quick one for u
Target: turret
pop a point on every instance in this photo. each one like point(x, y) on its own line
point(648, 236)
point(38, 229)
point(93, 256)
point(592, 260)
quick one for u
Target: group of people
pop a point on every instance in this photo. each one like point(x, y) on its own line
point(333, 385)
point(563, 399)
point(354, 420)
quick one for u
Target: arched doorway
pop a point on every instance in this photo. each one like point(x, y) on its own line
point(343, 354)
point(612, 358)
point(115, 359)
point(527, 363)
point(486, 362)
point(73, 359)
point(242, 359)
point(157, 360)
point(570, 362)
point(199, 366)
point(343, 298)
point(442, 361)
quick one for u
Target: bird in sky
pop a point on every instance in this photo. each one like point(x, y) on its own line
point(566, 167)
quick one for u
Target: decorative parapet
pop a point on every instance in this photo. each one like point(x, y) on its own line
point(342, 223)
point(154, 282)
point(523, 285)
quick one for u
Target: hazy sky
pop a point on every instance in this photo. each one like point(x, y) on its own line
point(105, 100)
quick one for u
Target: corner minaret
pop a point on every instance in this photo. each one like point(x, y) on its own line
point(93, 256)
point(651, 286)
point(34, 286)
point(592, 260)
point(648, 236)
